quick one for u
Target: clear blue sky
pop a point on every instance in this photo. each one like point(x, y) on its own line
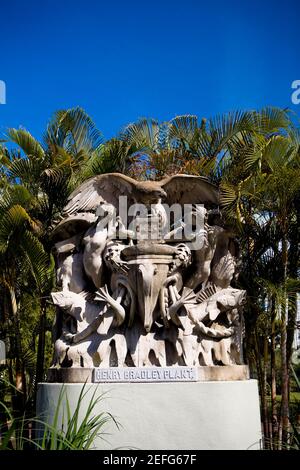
point(121, 60)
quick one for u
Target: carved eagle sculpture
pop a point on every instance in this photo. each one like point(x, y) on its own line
point(182, 189)
point(107, 188)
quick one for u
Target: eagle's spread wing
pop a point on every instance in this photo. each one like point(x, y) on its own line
point(80, 209)
point(189, 189)
point(72, 225)
point(100, 189)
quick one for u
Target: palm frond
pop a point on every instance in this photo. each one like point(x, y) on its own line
point(114, 156)
point(182, 128)
point(26, 170)
point(30, 146)
point(270, 120)
point(143, 134)
point(16, 194)
point(13, 223)
point(39, 262)
point(74, 130)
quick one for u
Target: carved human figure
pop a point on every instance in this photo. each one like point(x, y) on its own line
point(225, 258)
point(96, 239)
point(94, 242)
point(70, 273)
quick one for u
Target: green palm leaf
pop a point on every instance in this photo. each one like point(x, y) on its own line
point(30, 146)
point(143, 134)
point(13, 222)
point(183, 128)
point(74, 130)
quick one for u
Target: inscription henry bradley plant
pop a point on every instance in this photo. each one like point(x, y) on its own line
point(142, 374)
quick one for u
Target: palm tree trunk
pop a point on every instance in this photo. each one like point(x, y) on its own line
point(273, 377)
point(261, 387)
point(41, 343)
point(293, 273)
point(284, 363)
point(20, 378)
point(265, 400)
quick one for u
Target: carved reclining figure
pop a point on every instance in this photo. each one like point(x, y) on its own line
point(201, 311)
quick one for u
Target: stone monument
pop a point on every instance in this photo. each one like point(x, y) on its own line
point(147, 307)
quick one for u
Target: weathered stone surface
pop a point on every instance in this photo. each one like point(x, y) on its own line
point(151, 293)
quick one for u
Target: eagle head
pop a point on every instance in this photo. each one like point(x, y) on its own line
point(149, 192)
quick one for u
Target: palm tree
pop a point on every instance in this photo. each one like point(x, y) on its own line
point(186, 145)
point(51, 169)
point(255, 157)
point(268, 187)
point(39, 178)
point(22, 256)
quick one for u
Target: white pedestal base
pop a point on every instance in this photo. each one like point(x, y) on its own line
point(177, 416)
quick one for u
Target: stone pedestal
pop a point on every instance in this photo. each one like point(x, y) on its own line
point(182, 415)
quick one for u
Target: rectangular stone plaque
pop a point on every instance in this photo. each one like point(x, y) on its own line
point(146, 374)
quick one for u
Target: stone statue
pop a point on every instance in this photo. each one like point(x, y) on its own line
point(148, 284)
